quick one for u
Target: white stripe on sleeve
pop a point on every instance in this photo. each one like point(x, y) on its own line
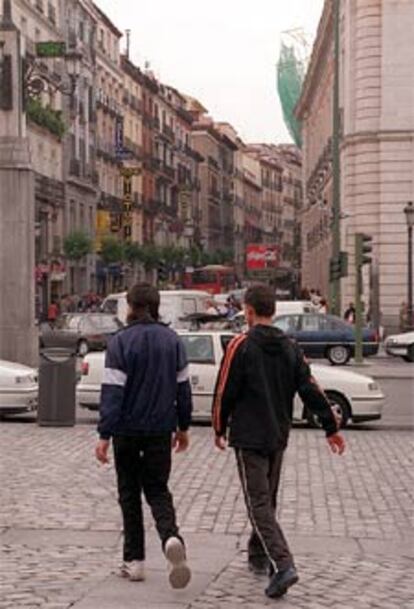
point(183, 375)
point(112, 376)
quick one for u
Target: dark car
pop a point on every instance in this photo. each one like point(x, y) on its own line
point(82, 332)
point(326, 336)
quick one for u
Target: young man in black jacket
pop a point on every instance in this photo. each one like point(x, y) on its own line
point(146, 395)
point(259, 377)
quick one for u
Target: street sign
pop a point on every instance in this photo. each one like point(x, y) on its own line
point(51, 48)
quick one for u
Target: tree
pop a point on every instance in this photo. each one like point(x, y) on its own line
point(112, 250)
point(77, 245)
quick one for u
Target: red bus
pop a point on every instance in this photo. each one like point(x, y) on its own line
point(215, 279)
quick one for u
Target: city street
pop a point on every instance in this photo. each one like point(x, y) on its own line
point(349, 519)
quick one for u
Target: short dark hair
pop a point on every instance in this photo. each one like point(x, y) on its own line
point(262, 300)
point(144, 300)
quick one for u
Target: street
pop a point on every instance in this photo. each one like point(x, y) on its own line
point(349, 519)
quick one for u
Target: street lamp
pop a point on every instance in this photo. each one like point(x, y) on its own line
point(409, 217)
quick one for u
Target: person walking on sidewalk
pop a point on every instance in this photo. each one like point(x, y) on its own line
point(259, 377)
point(146, 395)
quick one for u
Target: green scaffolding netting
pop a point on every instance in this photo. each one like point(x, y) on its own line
point(290, 77)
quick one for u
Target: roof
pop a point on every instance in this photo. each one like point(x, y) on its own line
point(109, 24)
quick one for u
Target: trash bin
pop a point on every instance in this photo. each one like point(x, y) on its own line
point(57, 388)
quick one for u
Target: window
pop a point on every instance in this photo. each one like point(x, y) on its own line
point(310, 323)
point(51, 13)
point(200, 349)
point(288, 323)
point(225, 340)
point(111, 306)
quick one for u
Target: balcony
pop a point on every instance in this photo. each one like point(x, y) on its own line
point(168, 133)
point(213, 163)
point(106, 150)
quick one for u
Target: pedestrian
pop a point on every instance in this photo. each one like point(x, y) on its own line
point(146, 409)
point(323, 307)
point(350, 314)
point(211, 308)
point(403, 316)
point(52, 312)
point(259, 376)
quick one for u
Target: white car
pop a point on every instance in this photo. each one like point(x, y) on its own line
point(401, 345)
point(19, 389)
point(355, 397)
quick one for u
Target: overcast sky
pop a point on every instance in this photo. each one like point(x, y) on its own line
point(224, 52)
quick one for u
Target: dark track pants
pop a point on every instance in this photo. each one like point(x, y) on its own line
point(143, 463)
point(260, 476)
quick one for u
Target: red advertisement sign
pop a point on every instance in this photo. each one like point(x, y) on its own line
point(262, 257)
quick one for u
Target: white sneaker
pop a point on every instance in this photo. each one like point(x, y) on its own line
point(133, 570)
point(180, 573)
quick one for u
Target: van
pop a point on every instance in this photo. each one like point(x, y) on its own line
point(175, 304)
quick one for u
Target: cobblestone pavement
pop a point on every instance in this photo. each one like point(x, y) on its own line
point(50, 481)
point(346, 583)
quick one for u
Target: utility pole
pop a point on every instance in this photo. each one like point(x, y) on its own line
point(336, 165)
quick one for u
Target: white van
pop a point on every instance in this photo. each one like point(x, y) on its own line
point(175, 304)
point(294, 307)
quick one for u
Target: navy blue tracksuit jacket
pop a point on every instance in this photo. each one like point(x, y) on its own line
point(146, 387)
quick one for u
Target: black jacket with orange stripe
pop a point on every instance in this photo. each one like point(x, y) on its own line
point(259, 376)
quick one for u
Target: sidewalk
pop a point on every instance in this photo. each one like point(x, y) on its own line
point(349, 522)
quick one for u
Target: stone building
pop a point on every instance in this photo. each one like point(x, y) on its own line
point(217, 148)
point(81, 178)
point(377, 151)
point(41, 21)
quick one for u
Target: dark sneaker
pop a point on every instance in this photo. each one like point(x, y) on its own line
point(258, 566)
point(281, 581)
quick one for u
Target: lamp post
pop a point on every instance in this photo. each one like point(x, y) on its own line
point(336, 164)
point(409, 216)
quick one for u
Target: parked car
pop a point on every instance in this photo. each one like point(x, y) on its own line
point(326, 336)
point(354, 396)
point(18, 388)
point(175, 304)
point(401, 345)
point(82, 332)
point(283, 307)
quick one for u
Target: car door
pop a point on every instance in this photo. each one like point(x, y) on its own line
point(312, 335)
point(202, 358)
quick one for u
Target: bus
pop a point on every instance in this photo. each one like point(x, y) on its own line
point(214, 279)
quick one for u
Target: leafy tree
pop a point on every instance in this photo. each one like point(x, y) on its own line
point(151, 256)
point(112, 250)
point(77, 245)
point(133, 252)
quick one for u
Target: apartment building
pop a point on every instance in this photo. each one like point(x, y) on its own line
point(39, 21)
point(110, 126)
point(81, 178)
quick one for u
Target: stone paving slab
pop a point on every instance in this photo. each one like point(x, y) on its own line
point(39, 538)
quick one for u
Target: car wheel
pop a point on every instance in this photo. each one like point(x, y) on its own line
point(409, 358)
point(340, 406)
point(339, 355)
point(83, 348)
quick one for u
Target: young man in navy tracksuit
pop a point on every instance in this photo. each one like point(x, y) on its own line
point(259, 377)
point(146, 409)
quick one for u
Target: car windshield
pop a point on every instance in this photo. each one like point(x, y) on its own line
point(104, 323)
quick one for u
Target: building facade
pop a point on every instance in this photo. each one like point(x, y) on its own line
point(377, 148)
point(41, 21)
point(81, 178)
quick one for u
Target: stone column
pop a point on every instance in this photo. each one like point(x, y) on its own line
point(18, 340)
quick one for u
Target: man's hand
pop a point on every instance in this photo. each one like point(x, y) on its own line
point(180, 441)
point(221, 442)
point(101, 451)
point(337, 443)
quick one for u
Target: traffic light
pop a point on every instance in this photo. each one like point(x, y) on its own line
point(162, 272)
point(338, 267)
point(363, 249)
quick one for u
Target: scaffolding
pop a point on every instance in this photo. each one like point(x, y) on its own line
point(291, 69)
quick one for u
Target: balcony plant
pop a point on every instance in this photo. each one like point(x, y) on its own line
point(46, 117)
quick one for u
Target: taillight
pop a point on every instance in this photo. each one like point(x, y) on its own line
point(85, 368)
